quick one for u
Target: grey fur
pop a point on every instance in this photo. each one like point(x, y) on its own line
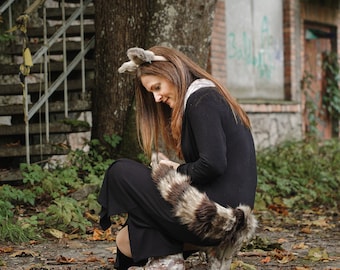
point(137, 57)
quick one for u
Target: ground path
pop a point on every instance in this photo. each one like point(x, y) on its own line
point(308, 241)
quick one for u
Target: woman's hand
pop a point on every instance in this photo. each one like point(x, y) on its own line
point(160, 158)
point(169, 163)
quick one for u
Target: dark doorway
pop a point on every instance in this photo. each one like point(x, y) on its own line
point(319, 41)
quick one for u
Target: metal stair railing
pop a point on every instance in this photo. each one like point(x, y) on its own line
point(67, 69)
point(43, 52)
point(62, 77)
point(5, 6)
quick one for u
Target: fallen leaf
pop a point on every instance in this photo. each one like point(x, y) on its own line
point(279, 208)
point(6, 249)
point(24, 253)
point(321, 222)
point(317, 254)
point(287, 259)
point(112, 249)
point(92, 259)
point(33, 242)
point(302, 268)
point(56, 233)
point(300, 246)
point(100, 235)
point(73, 236)
point(266, 260)
point(91, 217)
point(263, 243)
point(97, 234)
point(111, 260)
point(36, 267)
point(306, 230)
point(64, 260)
point(76, 244)
point(243, 265)
point(272, 229)
point(282, 256)
point(282, 240)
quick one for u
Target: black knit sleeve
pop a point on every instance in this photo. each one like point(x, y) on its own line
point(206, 115)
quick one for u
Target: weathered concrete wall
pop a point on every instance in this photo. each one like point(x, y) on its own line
point(254, 40)
point(260, 86)
point(275, 123)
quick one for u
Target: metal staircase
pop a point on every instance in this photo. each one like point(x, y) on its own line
point(52, 92)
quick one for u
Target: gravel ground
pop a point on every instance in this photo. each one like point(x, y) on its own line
point(310, 244)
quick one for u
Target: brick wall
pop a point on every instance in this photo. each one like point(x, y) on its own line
point(218, 44)
point(283, 120)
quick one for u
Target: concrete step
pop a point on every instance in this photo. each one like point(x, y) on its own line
point(10, 176)
point(55, 13)
point(36, 128)
point(13, 69)
point(36, 88)
point(54, 107)
point(35, 150)
point(72, 31)
point(56, 48)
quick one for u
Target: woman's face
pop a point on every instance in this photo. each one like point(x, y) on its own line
point(161, 88)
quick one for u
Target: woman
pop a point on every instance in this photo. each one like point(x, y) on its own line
point(182, 107)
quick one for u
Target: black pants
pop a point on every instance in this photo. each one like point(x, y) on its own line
point(123, 263)
point(153, 230)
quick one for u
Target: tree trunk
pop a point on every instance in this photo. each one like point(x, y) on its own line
point(182, 24)
point(185, 25)
point(119, 25)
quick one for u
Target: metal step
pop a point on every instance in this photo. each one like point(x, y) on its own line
point(58, 106)
point(10, 176)
point(35, 88)
point(55, 128)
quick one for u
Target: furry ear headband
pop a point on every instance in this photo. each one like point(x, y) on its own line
point(137, 57)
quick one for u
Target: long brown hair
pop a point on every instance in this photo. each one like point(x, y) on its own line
point(157, 121)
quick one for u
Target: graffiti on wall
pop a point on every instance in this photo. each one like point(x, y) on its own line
point(263, 57)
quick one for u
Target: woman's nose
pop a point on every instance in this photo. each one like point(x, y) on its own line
point(157, 97)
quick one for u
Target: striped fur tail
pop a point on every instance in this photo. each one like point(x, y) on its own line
point(209, 220)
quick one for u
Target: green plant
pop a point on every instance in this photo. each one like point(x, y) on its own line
point(65, 214)
point(311, 105)
point(112, 140)
point(14, 232)
point(45, 199)
point(4, 37)
point(331, 97)
point(299, 174)
point(75, 123)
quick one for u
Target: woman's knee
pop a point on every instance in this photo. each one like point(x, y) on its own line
point(123, 241)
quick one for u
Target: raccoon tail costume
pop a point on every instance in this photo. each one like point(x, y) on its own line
point(231, 226)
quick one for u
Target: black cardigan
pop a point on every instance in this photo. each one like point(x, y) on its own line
point(218, 150)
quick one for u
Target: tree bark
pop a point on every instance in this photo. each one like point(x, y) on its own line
point(182, 24)
point(185, 25)
point(119, 26)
